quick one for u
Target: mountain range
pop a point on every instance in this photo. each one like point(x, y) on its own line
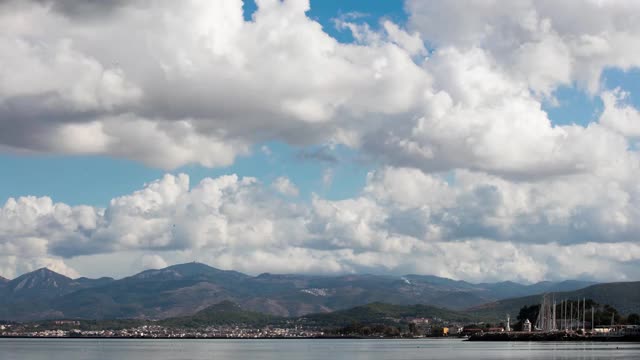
point(185, 289)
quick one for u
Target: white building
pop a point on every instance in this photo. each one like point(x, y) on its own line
point(526, 326)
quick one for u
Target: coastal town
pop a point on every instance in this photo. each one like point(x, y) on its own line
point(407, 327)
point(559, 329)
point(161, 332)
point(618, 332)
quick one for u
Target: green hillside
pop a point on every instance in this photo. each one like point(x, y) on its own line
point(623, 296)
point(224, 313)
point(383, 313)
point(229, 313)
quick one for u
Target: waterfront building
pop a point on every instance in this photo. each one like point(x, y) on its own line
point(471, 331)
point(526, 326)
point(631, 330)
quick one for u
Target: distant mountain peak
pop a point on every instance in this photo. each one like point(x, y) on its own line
point(3, 280)
point(509, 282)
point(183, 271)
point(192, 266)
point(42, 278)
point(44, 273)
point(163, 274)
point(44, 270)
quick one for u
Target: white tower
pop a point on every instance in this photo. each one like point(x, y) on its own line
point(508, 323)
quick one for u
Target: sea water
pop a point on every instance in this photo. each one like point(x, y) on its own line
point(320, 349)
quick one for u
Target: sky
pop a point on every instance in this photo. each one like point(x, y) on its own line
point(482, 140)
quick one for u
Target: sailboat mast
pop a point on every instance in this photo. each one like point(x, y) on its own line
point(553, 324)
point(561, 313)
point(566, 309)
point(578, 316)
point(571, 317)
point(541, 320)
point(564, 314)
point(584, 312)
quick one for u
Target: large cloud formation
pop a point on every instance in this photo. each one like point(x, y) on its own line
point(170, 83)
point(481, 228)
point(475, 181)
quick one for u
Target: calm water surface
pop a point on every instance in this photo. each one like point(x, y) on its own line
point(82, 349)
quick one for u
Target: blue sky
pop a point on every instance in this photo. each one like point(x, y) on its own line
point(576, 106)
point(94, 180)
point(326, 11)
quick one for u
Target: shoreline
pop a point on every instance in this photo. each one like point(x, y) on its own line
point(551, 337)
point(180, 338)
point(230, 337)
point(483, 339)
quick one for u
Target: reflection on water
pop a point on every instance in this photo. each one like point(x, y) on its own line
point(84, 349)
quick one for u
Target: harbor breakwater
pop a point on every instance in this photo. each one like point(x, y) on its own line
point(550, 336)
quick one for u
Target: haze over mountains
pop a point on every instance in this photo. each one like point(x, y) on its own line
point(187, 288)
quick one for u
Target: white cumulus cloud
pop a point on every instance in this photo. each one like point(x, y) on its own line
point(285, 186)
point(475, 227)
point(172, 83)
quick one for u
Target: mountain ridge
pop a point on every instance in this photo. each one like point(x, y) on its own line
point(184, 289)
point(208, 268)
